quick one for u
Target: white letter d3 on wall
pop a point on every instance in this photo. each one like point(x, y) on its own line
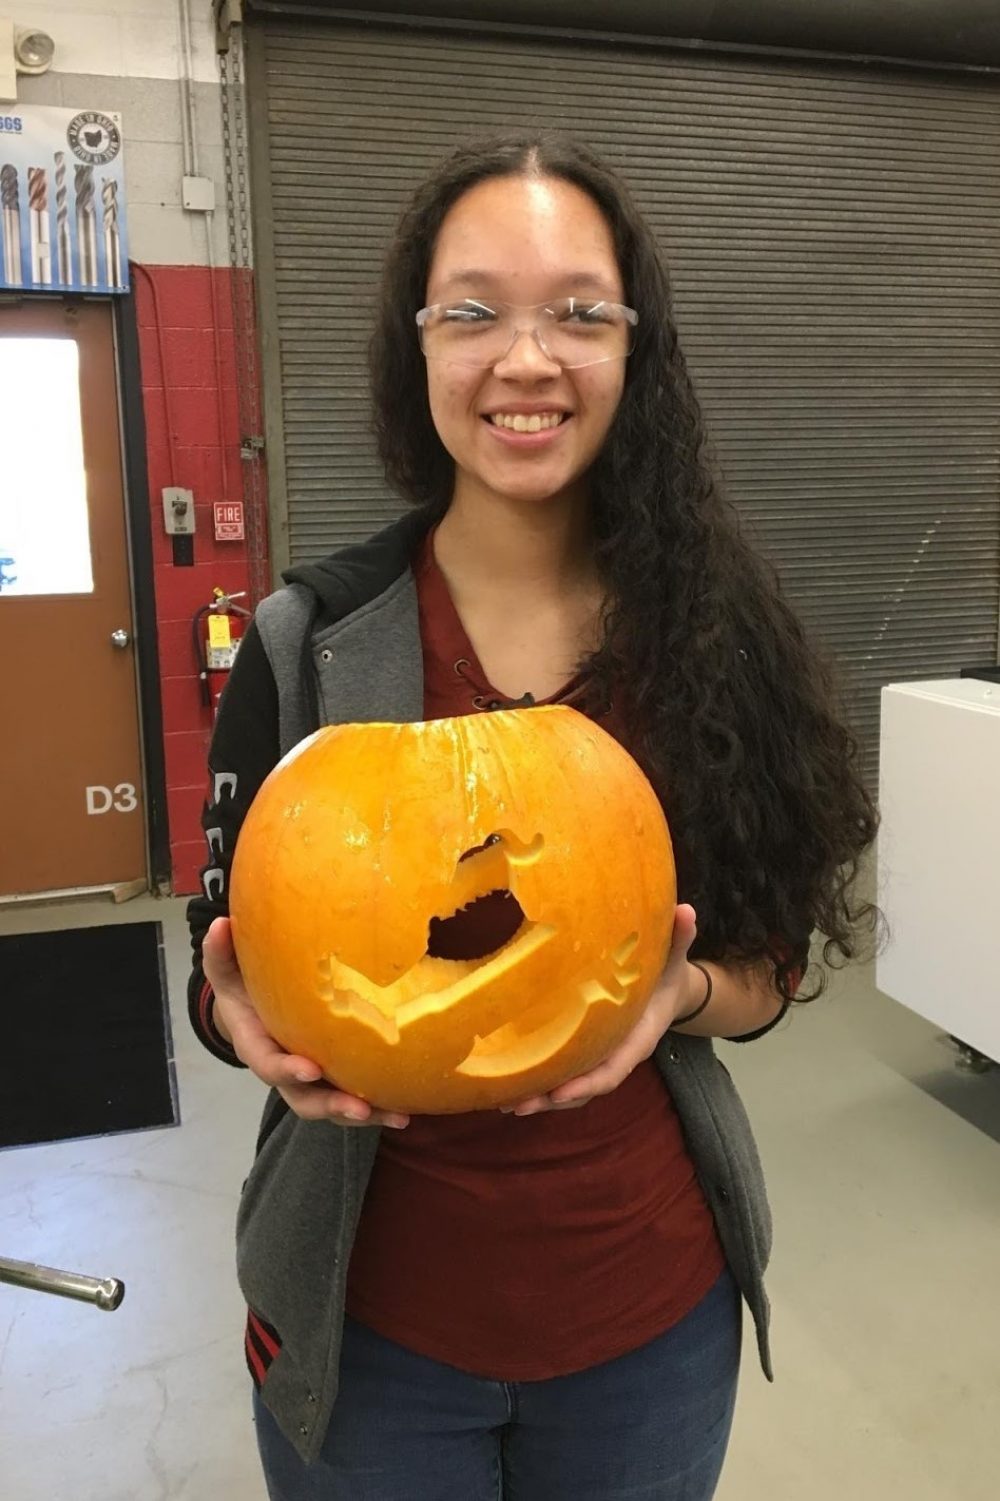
point(99, 799)
point(102, 799)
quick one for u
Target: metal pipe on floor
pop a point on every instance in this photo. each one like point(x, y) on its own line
point(105, 1292)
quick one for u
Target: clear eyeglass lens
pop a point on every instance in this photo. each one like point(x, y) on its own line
point(573, 330)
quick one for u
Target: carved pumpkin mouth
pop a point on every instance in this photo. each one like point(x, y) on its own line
point(470, 955)
point(478, 929)
point(486, 933)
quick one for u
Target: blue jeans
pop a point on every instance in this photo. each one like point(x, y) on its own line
point(652, 1425)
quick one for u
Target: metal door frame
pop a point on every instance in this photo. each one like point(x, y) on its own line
point(138, 519)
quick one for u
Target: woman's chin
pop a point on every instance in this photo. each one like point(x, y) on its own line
point(530, 489)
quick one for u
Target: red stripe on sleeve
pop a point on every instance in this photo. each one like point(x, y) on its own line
point(255, 1360)
point(267, 1340)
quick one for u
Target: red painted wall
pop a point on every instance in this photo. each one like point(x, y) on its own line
point(189, 373)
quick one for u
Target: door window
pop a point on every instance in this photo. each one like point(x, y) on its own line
point(44, 526)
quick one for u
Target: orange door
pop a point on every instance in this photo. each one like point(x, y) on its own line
point(71, 795)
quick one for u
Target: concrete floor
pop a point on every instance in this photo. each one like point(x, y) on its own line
point(884, 1167)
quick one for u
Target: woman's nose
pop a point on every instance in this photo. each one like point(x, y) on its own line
point(526, 358)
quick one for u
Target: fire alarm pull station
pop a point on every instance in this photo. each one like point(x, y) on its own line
point(178, 511)
point(228, 518)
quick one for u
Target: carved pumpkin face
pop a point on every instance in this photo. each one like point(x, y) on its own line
point(452, 915)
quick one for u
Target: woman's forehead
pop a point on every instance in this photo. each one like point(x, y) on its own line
point(509, 230)
point(475, 280)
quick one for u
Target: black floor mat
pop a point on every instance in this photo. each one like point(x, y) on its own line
point(85, 1048)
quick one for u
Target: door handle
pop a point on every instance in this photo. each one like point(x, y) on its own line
point(120, 639)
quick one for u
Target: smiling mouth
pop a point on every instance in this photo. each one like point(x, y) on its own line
point(523, 423)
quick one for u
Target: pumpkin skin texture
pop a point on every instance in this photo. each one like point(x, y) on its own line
point(369, 844)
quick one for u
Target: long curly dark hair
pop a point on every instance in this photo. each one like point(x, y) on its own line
point(735, 714)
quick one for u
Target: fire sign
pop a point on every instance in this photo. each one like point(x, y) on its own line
point(228, 520)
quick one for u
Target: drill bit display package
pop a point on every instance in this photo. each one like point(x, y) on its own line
point(62, 199)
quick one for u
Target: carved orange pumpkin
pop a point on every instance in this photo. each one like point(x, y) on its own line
point(372, 855)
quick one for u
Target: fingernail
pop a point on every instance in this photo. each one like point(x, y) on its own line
point(354, 1115)
point(396, 1124)
point(305, 1078)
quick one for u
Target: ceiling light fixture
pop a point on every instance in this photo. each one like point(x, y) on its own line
point(33, 50)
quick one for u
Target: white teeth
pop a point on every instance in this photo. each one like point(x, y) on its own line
point(520, 423)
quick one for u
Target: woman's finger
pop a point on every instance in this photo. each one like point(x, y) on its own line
point(261, 1052)
point(253, 1043)
point(298, 1080)
point(323, 1102)
point(606, 1076)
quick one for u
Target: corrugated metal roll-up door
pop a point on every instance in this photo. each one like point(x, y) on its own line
point(833, 233)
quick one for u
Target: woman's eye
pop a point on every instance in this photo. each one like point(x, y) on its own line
point(466, 314)
point(587, 315)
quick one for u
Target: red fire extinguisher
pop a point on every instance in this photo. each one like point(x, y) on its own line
point(218, 630)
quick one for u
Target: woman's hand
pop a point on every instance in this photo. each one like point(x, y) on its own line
point(299, 1081)
point(677, 992)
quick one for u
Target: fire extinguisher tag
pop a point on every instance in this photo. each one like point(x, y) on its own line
point(221, 647)
point(219, 634)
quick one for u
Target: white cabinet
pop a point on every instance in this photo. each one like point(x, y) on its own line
point(939, 855)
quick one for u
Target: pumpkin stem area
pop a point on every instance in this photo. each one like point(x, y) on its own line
point(476, 930)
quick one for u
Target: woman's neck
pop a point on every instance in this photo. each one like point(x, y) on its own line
point(493, 546)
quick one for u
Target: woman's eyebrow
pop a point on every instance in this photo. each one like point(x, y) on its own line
point(487, 281)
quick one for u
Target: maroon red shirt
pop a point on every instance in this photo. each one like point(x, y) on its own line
point(521, 1248)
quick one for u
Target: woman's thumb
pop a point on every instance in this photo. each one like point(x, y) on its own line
point(685, 927)
point(219, 944)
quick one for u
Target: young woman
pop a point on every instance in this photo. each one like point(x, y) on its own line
point(541, 1304)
